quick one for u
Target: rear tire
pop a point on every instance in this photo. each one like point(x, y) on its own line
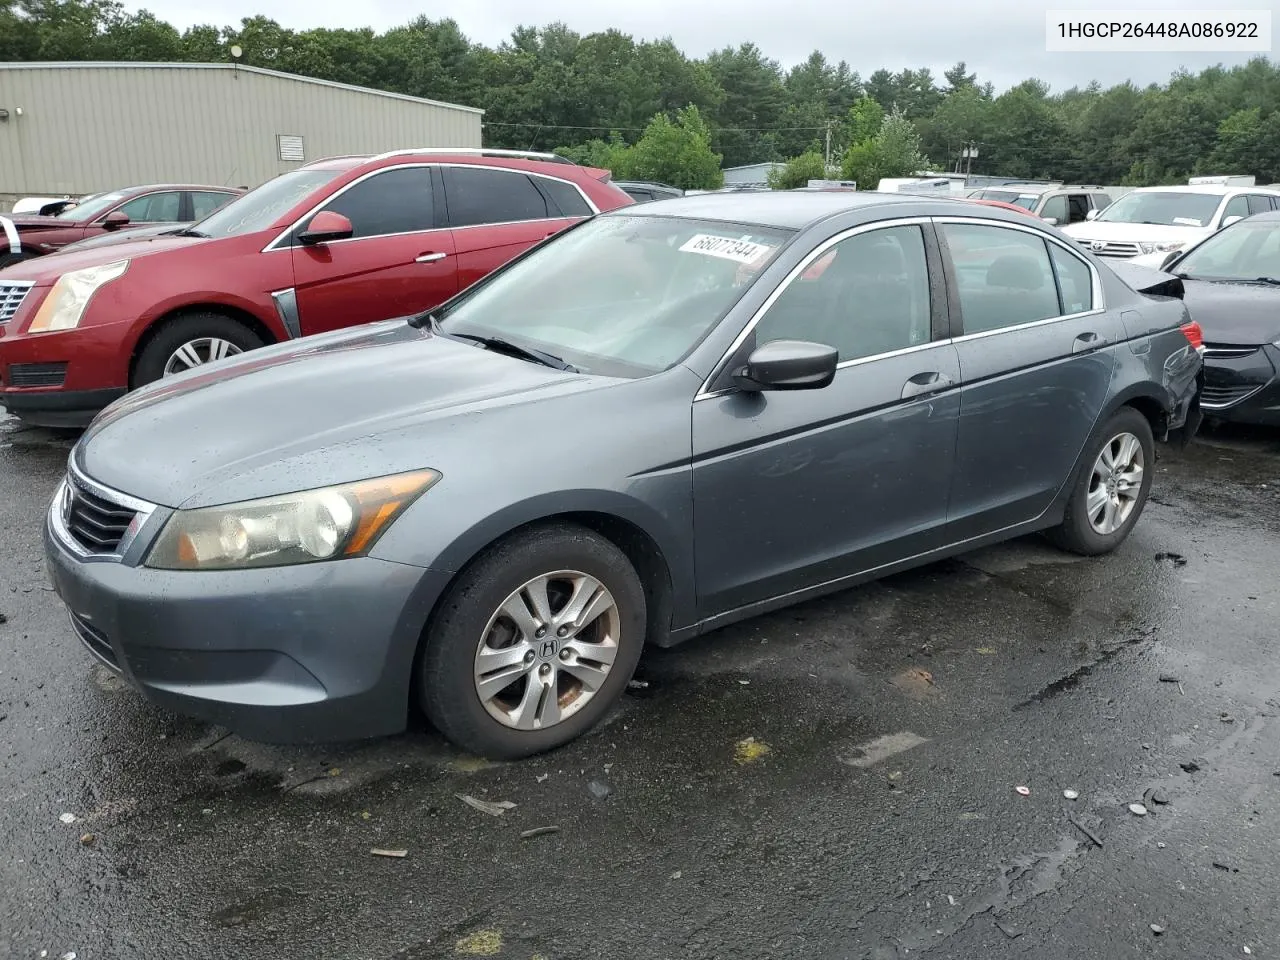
point(505, 687)
point(191, 341)
point(1111, 487)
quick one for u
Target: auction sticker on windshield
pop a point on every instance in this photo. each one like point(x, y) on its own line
point(727, 248)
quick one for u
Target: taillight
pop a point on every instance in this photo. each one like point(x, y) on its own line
point(1194, 335)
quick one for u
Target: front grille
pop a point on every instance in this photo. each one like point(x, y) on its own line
point(1110, 249)
point(1224, 396)
point(12, 293)
point(94, 522)
point(1221, 351)
point(37, 374)
point(95, 640)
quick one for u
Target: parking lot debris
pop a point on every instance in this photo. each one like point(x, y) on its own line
point(1071, 794)
point(1177, 559)
point(68, 818)
point(1137, 809)
point(1025, 791)
point(495, 808)
point(987, 651)
point(1247, 950)
point(1156, 929)
point(1160, 844)
point(1155, 797)
point(1085, 830)
point(599, 789)
point(399, 854)
point(87, 839)
point(71, 954)
point(542, 778)
point(538, 832)
point(1190, 766)
point(1226, 717)
point(482, 943)
point(750, 750)
point(637, 684)
point(3, 619)
point(677, 875)
point(1169, 678)
point(1010, 931)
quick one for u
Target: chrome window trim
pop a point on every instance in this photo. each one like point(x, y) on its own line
point(59, 506)
point(277, 243)
point(1095, 281)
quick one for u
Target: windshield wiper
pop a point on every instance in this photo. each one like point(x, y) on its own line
point(1269, 280)
point(499, 345)
point(187, 233)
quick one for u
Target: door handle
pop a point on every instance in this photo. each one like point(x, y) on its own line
point(924, 383)
point(430, 257)
point(1087, 341)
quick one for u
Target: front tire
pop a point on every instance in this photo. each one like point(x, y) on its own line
point(190, 341)
point(1111, 488)
point(533, 644)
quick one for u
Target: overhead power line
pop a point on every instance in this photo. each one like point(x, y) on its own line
point(567, 126)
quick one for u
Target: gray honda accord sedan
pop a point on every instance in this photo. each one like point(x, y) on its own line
point(663, 420)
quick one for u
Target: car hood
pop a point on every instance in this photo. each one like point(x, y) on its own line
point(1133, 232)
point(136, 235)
point(1234, 313)
point(47, 269)
point(28, 222)
point(327, 409)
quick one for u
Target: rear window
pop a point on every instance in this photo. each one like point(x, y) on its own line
point(563, 199)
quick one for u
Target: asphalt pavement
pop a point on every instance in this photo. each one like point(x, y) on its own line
point(834, 780)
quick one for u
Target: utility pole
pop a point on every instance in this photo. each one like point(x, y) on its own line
point(828, 152)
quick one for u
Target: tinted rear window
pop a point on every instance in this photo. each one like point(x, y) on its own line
point(476, 196)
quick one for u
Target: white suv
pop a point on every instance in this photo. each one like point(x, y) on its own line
point(1164, 219)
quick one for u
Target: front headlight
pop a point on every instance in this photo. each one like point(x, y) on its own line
point(326, 524)
point(1165, 246)
point(66, 302)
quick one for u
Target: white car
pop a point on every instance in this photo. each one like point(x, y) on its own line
point(1160, 220)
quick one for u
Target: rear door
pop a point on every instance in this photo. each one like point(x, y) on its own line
point(497, 214)
point(796, 488)
point(1037, 351)
point(396, 263)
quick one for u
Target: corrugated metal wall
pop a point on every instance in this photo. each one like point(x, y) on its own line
point(86, 128)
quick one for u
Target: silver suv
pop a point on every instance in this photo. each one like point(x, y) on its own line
point(1056, 204)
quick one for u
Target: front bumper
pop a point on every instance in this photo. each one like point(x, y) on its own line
point(306, 654)
point(1242, 384)
point(63, 379)
point(57, 408)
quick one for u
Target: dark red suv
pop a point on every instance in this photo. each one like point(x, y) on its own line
point(26, 235)
point(335, 243)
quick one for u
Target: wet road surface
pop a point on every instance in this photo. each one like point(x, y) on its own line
point(834, 780)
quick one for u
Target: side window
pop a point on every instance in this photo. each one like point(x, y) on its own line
point(1078, 207)
point(1055, 207)
point(563, 199)
point(868, 294)
point(153, 208)
point(1004, 276)
point(395, 201)
point(204, 202)
point(1075, 281)
point(1258, 203)
point(477, 196)
point(1237, 206)
point(1101, 201)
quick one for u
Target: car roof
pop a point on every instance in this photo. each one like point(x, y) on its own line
point(783, 209)
point(1268, 216)
point(1219, 189)
point(173, 186)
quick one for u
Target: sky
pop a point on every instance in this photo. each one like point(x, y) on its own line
point(1003, 41)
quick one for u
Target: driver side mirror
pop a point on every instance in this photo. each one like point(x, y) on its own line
point(1092, 214)
point(1167, 262)
point(1052, 221)
point(788, 365)
point(115, 220)
point(1228, 221)
point(325, 227)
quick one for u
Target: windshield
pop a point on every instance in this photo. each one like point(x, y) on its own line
point(95, 205)
point(260, 208)
point(1166, 208)
point(1243, 251)
point(623, 296)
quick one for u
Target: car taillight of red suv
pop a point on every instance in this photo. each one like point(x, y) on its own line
point(332, 244)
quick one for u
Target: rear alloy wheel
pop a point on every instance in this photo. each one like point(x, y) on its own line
point(1112, 488)
point(191, 341)
point(533, 644)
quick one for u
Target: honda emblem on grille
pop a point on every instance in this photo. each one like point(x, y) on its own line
point(1098, 245)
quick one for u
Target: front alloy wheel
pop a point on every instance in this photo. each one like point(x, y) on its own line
point(533, 642)
point(196, 353)
point(547, 650)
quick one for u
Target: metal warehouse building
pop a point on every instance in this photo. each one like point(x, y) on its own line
point(77, 128)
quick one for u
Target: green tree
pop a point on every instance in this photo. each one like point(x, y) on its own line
point(893, 152)
point(1248, 144)
point(799, 171)
point(676, 152)
point(754, 101)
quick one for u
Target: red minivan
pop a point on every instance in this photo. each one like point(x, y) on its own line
point(335, 243)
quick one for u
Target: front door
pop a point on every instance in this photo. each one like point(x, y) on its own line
point(1037, 349)
point(796, 488)
point(396, 262)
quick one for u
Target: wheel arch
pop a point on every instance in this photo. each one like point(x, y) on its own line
point(153, 329)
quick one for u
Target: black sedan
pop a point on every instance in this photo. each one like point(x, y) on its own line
point(1232, 287)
